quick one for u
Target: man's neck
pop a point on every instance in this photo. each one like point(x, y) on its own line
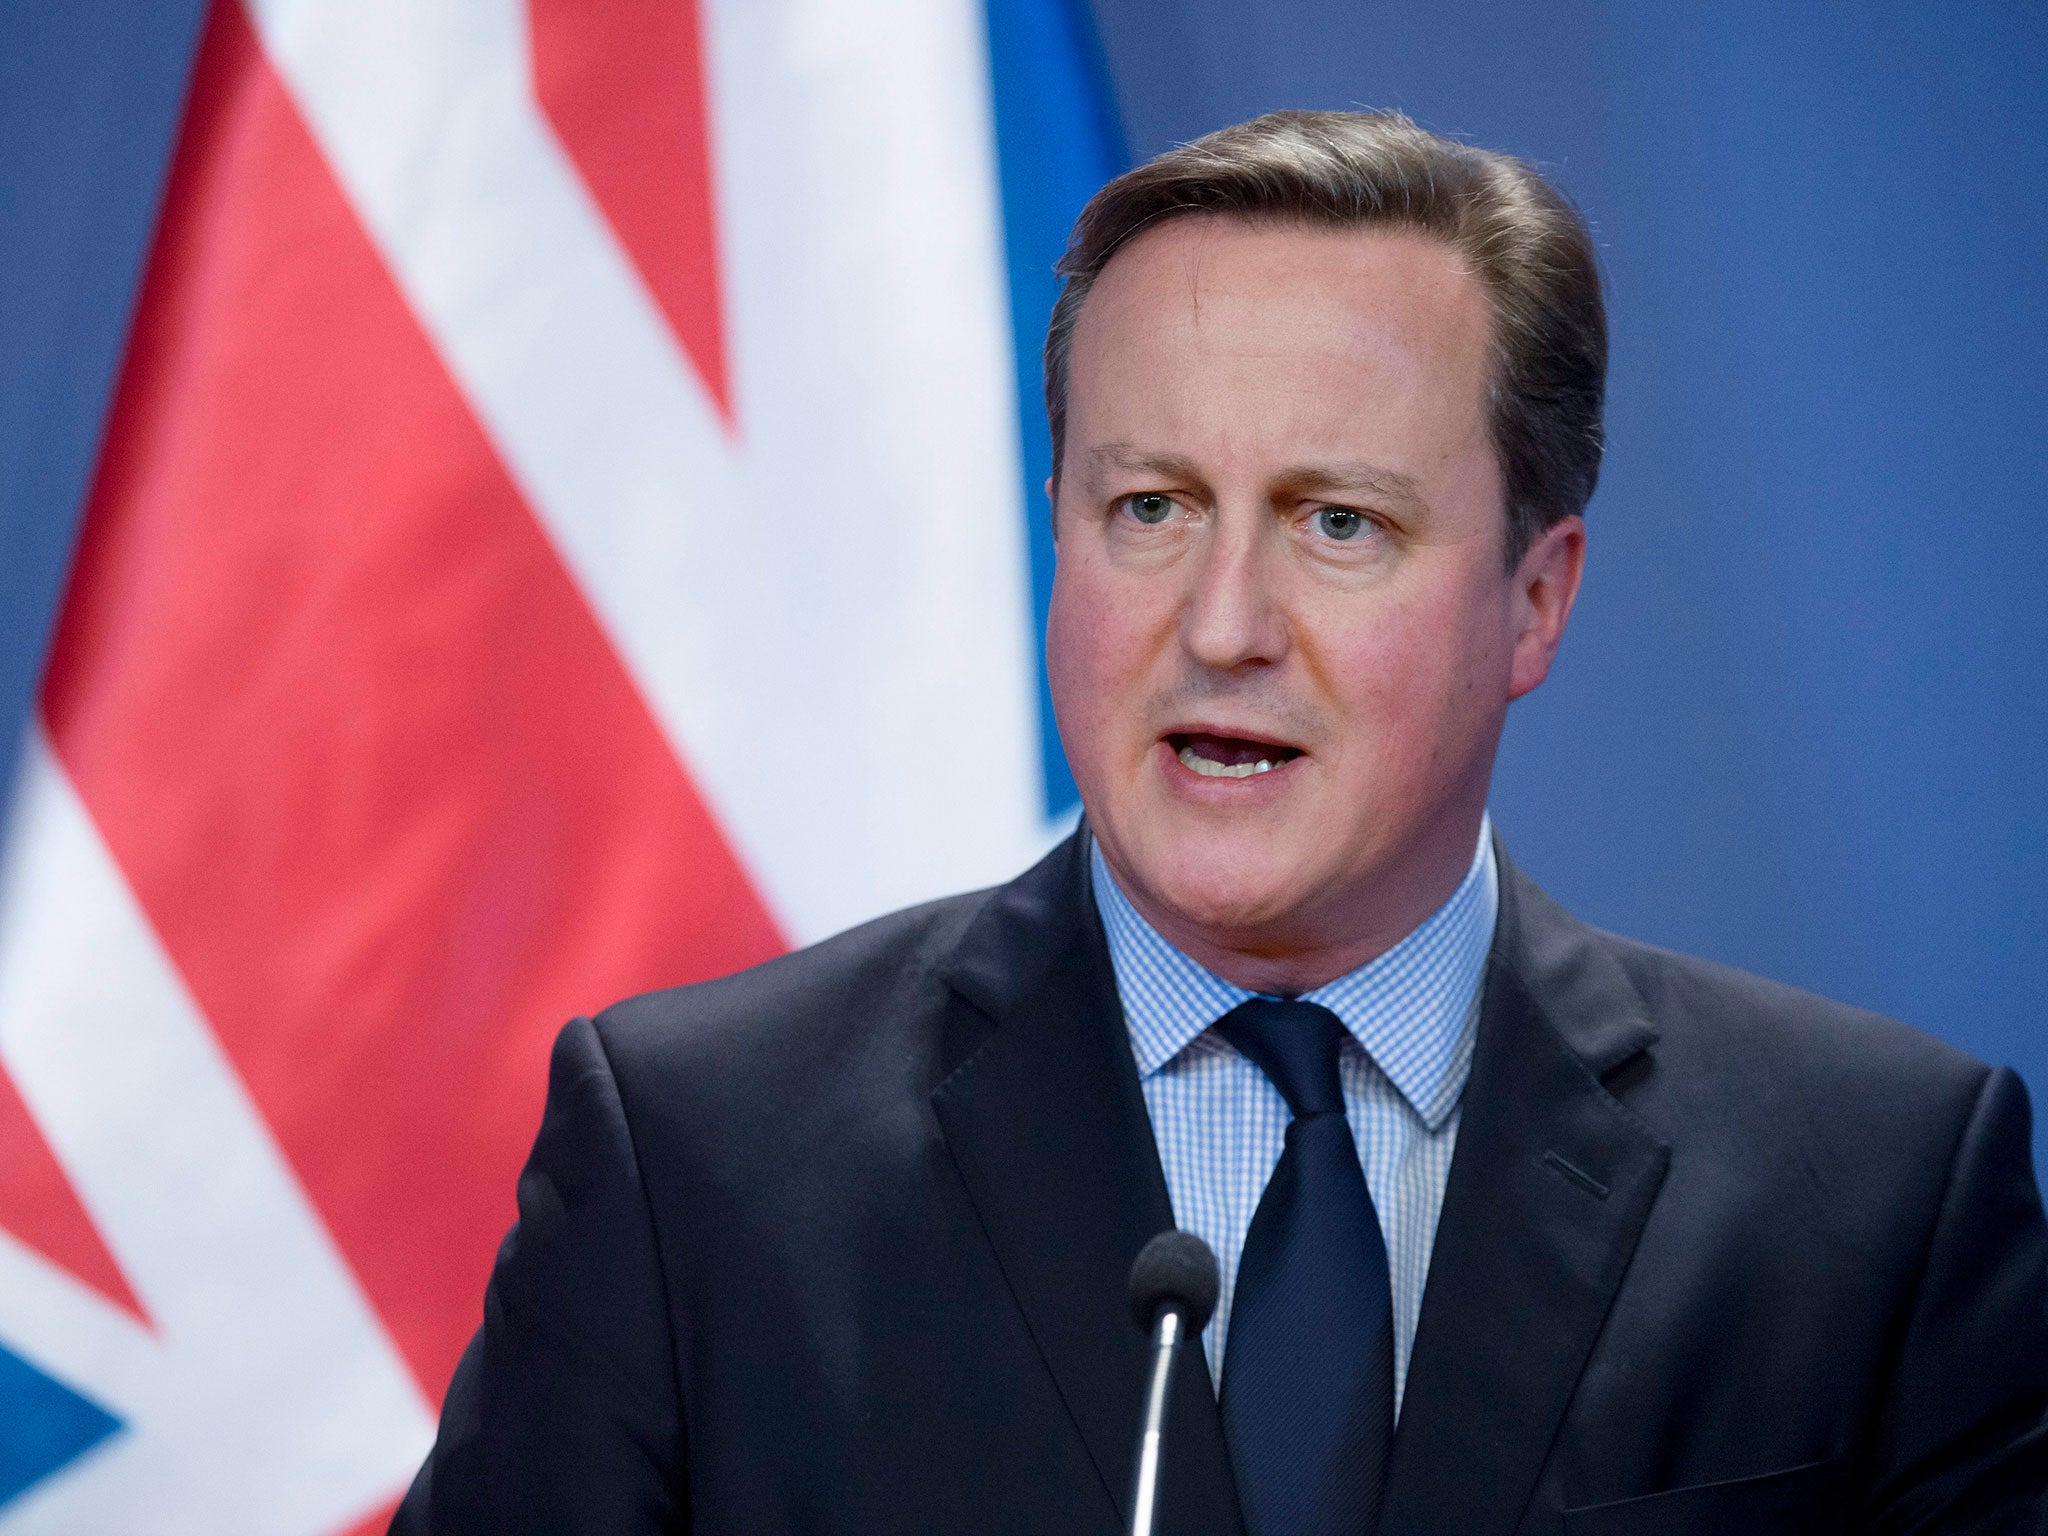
point(1314, 948)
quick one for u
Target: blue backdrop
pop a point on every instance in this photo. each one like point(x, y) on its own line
point(1799, 724)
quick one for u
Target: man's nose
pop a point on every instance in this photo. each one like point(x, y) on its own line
point(1233, 617)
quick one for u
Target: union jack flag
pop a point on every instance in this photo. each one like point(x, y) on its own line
point(562, 530)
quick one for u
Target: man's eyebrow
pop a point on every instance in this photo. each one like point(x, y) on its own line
point(1132, 460)
point(1352, 478)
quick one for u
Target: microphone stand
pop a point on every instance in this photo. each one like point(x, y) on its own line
point(1173, 1291)
point(1166, 1337)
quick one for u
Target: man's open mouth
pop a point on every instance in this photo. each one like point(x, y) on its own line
point(1228, 757)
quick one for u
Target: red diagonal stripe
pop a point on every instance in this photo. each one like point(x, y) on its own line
point(348, 726)
point(39, 1206)
point(374, 1525)
point(623, 81)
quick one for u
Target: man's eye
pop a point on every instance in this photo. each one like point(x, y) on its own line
point(1336, 523)
point(1150, 506)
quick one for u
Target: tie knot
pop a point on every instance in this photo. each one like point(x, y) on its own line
point(1296, 1045)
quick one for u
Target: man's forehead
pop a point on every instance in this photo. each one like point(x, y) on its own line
point(1265, 307)
point(1185, 256)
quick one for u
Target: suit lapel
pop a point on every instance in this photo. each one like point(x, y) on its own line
point(1549, 1189)
point(1047, 1124)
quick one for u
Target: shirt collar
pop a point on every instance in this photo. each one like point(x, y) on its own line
point(1411, 1009)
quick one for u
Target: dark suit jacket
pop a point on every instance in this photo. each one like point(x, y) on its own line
point(840, 1244)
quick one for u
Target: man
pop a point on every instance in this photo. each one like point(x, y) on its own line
point(1522, 1226)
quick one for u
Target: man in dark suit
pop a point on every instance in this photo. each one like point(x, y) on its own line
point(1523, 1227)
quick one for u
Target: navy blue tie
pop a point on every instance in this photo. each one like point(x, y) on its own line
point(1308, 1369)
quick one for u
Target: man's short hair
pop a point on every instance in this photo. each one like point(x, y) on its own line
point(1521, 238)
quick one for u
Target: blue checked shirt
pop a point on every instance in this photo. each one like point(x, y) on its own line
point(1412, 1013)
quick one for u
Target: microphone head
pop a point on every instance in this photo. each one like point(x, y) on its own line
point(1176, 1269)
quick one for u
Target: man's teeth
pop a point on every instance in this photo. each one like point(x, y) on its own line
point(1209, 768)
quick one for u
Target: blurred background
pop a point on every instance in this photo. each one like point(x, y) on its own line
point(503, 505)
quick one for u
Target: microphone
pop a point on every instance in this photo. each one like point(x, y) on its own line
point(1173, 1291)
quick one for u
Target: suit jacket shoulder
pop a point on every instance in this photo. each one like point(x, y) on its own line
point(799, 1032)
point(1841, 1058)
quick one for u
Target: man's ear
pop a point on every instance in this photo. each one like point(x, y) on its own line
point(1052, 504)
point(1544, 587)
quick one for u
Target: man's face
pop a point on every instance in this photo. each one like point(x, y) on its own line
point(1283, 634)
